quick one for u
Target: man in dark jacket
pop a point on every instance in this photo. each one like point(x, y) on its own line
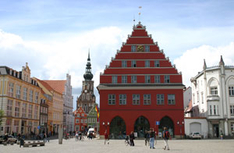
point(132, 137)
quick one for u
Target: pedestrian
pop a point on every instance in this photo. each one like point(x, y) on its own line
point(80, 135)
point(106, 138)
point(166, 136)
point(152, 136)
point(48, 137)
point(221, 135)
point(45, 137)
point(132, 137)
point(76, 136)
point(21, 141)
point(147, 137)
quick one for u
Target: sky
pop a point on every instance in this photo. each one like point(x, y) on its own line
point(54, 36)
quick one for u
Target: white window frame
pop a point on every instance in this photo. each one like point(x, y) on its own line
point(133, 79)
point(156, 63)
point(122, 99)
point(160, 99)
point(231, 90)
point(25, 94)
point(147, 79)
point(171, 99)
point(214, 90)
point(147, 63)
point(136, 99)
point(133, 48)
point(115, 79)
point(147, 48)
point(111, 99)
point(133, 63)
point(166, 78)
point(18, 91)
point(17, 109)
point(147, 99)
point(31, 95)
point(124, 63)
point(157, 79)
point(124, 79)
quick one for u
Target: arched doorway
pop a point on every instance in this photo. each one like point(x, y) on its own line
point(117, 128)
point(166, 122)
point(141, 125)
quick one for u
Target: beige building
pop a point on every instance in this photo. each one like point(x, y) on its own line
point(55, 106)
point(20, 101)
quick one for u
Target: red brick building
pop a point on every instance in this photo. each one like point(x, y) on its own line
point(80, 120)
point(140, 89)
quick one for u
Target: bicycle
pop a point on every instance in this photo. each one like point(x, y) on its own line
point(126, 142)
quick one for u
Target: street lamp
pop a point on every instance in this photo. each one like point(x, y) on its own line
point(180, 125)
point(105, 124)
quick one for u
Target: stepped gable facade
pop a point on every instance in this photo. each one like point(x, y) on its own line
point(140, 89)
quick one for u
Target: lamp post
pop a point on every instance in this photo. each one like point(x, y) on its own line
point(105, 124)
point(180, 125)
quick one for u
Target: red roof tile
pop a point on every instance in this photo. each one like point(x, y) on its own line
point(57, 85)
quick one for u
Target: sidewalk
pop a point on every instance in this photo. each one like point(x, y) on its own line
point(118, 146)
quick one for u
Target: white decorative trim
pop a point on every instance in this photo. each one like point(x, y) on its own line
point(103, 87)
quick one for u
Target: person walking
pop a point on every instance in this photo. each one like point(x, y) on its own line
point(166, 136)
point(106, 138)
point(152, 136)
point(21, 141)
point(76, 136)
point(147, 137)
point(132, 137)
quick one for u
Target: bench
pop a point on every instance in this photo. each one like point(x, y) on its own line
point(34, 144)
point(5, 143)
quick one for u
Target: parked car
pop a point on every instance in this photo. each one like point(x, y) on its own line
point(195, 135)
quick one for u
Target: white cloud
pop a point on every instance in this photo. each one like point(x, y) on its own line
point(191, 62)
point(52, 60)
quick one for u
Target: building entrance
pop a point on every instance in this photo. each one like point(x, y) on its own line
point(141, 126)
point(216, 130)
point(117, 128)
point(166, 122)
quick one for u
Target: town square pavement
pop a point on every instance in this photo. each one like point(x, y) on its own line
point(118, 146)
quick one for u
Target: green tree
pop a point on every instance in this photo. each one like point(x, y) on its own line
point(1, 115)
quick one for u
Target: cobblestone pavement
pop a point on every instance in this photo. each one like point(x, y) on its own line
point(118, 146)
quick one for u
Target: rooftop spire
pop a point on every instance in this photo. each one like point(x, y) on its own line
point(221, 61)
point(204, 65)
point(88, 74)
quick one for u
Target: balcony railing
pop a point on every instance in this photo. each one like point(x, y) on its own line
point(213, 98)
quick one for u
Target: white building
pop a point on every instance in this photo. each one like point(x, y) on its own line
point(68, 117)
point(213, 98)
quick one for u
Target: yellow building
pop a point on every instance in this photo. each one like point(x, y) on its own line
point(55, 106)
point(20, 101)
